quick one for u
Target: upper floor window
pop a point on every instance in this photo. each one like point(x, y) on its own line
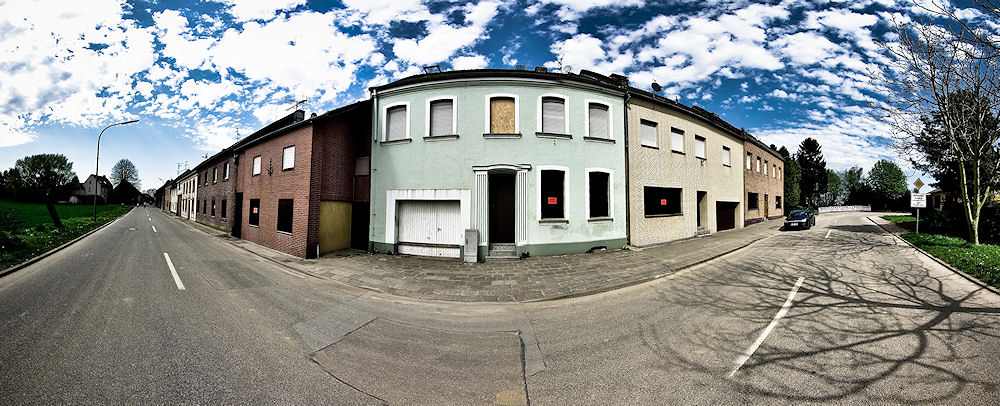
point(288, 158)
point(676, 140)
point(206, 178)
point(647, 133)
point(255, 170)
point(225, 171)
point(553, 115)
point(765, 167)
point(396, 123)
point(503, 115)
point(758, 164)
point(774, 171)
point(599, 120)
point(441, 120)
point(699, 147)
point(727, 156)
point(215, 175)
point(749, 159)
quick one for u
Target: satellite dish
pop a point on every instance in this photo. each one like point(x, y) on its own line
point(567, 69)
point(656, 87)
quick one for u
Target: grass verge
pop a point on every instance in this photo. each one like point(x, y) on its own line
point(981, 261)
point(34, 236)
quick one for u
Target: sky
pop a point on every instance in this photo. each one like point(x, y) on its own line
point(199, 74)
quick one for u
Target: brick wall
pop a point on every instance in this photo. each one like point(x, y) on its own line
point(757, 182)
point(221, 189)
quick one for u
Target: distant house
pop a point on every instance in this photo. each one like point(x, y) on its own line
point(763, 180)
point(125, 193)
point(86, 191)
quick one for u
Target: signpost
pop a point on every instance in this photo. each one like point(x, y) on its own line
point(918, 201)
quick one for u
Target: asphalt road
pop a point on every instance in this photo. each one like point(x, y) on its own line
point(870, 321)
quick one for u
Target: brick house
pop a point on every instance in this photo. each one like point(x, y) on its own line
point(217, 190)
point(763, 177)
point(303, 186)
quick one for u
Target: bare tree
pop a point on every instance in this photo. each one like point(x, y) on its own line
point(933, 59)
point(125, 170)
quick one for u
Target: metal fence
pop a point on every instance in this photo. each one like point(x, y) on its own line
point(834, 209)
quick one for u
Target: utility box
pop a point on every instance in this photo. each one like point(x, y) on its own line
point(470, 252)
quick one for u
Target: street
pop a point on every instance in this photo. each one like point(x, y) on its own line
point(150, 310)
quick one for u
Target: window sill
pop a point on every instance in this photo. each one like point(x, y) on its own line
point(445, 137)
point(501, 135)
point(284, 232)
point(600, 220)
point(664, 215)
point(256, 174)
point(649, 146)
point(288, 169)
point(599, 140)
point(400, 141)
point(251, 225)
point(703, 159)
point(677, 152)
point(553, 221)
point(554, 136)
point(728, 166)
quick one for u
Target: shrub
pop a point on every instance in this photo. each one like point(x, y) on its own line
point(9, 242)
point(8, 219)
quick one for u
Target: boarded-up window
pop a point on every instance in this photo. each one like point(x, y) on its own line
point(442, 113)
point(502, 114)
point(598, 120)
point(553, 199)
point(599, 194)
point(699, 147)
point(727, 156)
point(661, 201)
point(647, 133)
point(395, 124)
point(285, 215)
point(361, 166)
point(254, 217)
point(676, 140)
point(553, 115)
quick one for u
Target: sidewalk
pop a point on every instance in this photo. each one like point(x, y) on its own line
point(531, 279)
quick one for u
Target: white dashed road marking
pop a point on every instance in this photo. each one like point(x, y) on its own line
point(781, 313)
point(177, 279)
point(828, 233)
point(154, 228)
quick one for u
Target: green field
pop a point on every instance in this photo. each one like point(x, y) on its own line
point(35, 233)
point(981, 261)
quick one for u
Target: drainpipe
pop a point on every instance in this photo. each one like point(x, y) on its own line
point(628, 209)
point(371, 168)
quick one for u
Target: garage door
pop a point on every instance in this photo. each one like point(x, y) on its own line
point(725, 215)
point(430, 228)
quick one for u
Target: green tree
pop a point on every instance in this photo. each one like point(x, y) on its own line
point(834, 189)
point(813, 167)
point(887, 182)
point(792, 177)
point(125, 170)
point(854, 186)
point(42, 175)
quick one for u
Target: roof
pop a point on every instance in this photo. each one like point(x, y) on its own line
point(272, 130)
point(614, 82)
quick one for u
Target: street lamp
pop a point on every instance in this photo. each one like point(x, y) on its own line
point(97, 163)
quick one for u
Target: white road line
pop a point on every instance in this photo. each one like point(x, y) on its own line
point(177, 279)
point(828, 234)
point(836, 220)
point(150, 220)
point(154, 228)
point(781, 313)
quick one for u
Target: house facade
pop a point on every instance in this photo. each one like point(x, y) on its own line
point(86, 191)
point(187, 185)
point(533, 161)
point(302, 187)
point(763, 170)
point(217, 190)
point(684, 175)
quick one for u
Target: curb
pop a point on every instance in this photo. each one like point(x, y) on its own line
point(48, 253)
point(960, 272)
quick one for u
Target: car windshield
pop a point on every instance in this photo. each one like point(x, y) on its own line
point(797, 213)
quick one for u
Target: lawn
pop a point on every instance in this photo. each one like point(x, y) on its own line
point(35, 233)
point(981, 261)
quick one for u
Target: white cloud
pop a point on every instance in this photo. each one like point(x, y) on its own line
point(444, 40)
point(245, 10)
point(383, 12)
point(469, 62)
point(574, 9)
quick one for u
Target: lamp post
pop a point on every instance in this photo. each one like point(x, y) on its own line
point(97, 162)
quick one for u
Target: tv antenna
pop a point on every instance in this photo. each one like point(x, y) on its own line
point(296, 104)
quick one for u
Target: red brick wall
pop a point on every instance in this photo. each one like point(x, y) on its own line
point(219, 190)
point(292, 184)
point(758, 182)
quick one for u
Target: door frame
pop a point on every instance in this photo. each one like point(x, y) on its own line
point(513, 199)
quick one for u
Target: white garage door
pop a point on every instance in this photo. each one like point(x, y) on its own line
point(430, 228)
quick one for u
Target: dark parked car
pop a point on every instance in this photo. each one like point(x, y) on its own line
point(800, 219)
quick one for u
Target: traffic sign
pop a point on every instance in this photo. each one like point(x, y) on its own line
point(918, 183)
point(918, 200)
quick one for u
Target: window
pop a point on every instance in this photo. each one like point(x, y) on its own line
point(225, 172)
point(749, 158)
point(206, 178)
point(553, 115)
point(254, 217)
point(503, 115)
point(676, 140)
point(779, 173)
point(765, 167)
point(215, 175)
point(288, 158)
point(599, 184)
point(396, 125)
point(442, 117)
point(647, 133)
point(758, 164)
point(223, 213)
point(199, 178)
point(285, 215)
point(727, 156)
point(777, 202)
point(256, 166)
point(599, 120)
point(774, 171)
point(553, 194)
point(661, 201)
point(196, 204)
point(213, 207)
point(699, 147)
point(752, 203)
point(204, 206)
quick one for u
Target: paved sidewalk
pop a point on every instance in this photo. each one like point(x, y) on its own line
point(531, 279)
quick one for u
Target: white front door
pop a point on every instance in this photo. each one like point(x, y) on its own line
point(430, 228)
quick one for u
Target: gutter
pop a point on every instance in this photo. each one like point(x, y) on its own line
point(628, 207)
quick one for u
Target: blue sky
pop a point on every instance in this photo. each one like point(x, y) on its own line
point(197, 73)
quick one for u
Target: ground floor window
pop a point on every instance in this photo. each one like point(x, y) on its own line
point(661, 201)
point(204, 206)
point(777, 202)
point(553, 199)
point(752, 203)
point(254, 212)
point(213, 207)
point(285, 215)
point(599, 183)
point(223, 208)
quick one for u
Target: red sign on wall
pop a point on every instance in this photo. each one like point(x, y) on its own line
point(663, 202)
point(553, 200)
point(254, 210)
